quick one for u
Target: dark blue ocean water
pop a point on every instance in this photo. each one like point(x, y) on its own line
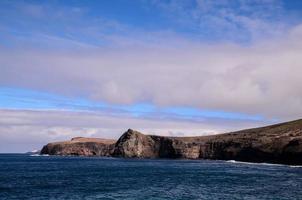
point(28, 177)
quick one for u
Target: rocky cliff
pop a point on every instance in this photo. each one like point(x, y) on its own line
point(281, 143)
point(133, 144)
point(80, 146)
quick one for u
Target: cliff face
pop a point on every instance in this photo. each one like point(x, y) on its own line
point(134, 144)
point(281, 143)
point(80, 146)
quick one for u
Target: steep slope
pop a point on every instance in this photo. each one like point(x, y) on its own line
point(280, 143)
point(133, 144)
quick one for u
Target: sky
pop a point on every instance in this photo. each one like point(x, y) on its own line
point(174, 68)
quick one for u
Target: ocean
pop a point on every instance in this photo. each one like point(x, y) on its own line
point(54, 177)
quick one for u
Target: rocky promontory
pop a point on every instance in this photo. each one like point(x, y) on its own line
point(280, 143)
point(80, 146)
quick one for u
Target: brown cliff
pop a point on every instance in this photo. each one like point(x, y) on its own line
point(280, 143)
point(80, 146)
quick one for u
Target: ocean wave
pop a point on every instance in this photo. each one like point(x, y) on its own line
point(265, 164)
point(295, 166)
point(39, 155)
point(252, 163)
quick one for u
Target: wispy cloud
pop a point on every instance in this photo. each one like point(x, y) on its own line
point(13, 98)
point(237, 21)
point(23, 130)
point(50, 24)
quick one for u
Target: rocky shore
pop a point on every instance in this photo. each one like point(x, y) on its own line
point(280, 143)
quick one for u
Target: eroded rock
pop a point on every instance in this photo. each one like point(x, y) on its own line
point(280, 143)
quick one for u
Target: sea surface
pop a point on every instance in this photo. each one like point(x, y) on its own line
point(53, 177)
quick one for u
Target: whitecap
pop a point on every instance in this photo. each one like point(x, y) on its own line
point(39, 155)
point(251, 163)
point(295, 166)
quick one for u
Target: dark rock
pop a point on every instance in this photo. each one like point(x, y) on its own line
point(133, 144)
point(80, 147)
point(280, 143)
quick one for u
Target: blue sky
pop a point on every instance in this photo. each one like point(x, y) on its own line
point(13, 98)
point(93, 22)
point(163, 67)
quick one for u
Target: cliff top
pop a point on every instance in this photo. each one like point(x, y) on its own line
point(84, 139)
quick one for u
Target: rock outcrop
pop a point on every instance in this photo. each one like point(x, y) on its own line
point(133, 144)
point(281, 143)
point(80, 147)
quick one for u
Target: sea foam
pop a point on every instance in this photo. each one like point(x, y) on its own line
point(267, 164)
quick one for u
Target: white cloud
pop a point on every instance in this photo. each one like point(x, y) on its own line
point(24, 130)
point(234, 20)
point(261, 79)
